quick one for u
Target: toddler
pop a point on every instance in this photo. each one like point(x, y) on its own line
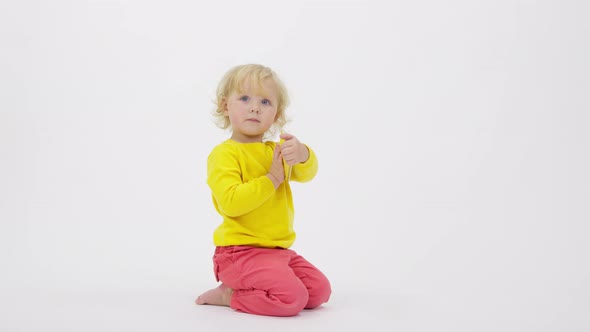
point(249, 180)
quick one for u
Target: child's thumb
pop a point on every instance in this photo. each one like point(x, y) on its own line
point(286, 136)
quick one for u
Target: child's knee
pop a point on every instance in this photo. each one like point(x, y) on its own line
point(319, 294)
point(294, 300)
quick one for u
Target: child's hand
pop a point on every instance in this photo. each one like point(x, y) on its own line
point(277, 172)
point(293, 151)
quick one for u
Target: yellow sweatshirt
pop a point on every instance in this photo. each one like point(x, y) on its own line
point(254, 213)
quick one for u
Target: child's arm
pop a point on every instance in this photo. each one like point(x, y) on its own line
point(305, 171)
point(234, 197)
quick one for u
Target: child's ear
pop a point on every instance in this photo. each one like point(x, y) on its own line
point(224, 105)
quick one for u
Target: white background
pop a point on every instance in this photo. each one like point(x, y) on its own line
point(453, 191)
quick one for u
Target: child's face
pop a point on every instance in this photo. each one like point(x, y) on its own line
point(253, 111)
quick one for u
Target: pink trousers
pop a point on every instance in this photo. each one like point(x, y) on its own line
point(272, 282)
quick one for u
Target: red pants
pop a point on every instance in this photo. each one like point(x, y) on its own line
point(273, 282)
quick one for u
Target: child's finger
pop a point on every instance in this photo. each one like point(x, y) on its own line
point(285, 152)
point(278, 156)
point(286, 136)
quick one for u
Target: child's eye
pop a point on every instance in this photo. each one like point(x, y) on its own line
point(266, 102)
point(244, 98)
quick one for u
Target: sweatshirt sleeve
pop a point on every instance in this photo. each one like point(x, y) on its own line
point(306, 171)
point(232, 196)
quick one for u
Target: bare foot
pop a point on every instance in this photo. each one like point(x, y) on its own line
point(220, 295)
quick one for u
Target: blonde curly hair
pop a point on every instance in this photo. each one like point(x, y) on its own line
point(234, 80)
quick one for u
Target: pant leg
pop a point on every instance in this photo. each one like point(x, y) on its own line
point(318, 286)
point(262, 280)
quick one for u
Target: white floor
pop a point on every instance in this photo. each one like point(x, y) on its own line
point(174, 310)
point(348, 310)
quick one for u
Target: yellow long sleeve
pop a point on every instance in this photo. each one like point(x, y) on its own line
point(253, 212)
